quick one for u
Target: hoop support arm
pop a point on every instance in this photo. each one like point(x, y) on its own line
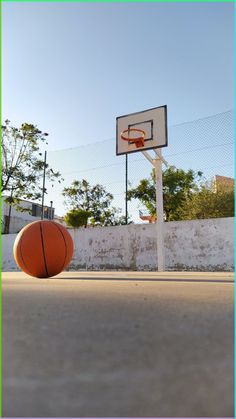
point(158, 153)
point(145, 153)
point(152, 161)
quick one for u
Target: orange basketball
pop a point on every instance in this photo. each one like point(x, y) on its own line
point(43, 249)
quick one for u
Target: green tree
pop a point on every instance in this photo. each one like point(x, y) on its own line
point(22, 162)
point(77, 218)
point(208, 204)
point(111, 217)
point(93, 199)
point(23, 165)
point(178, 186)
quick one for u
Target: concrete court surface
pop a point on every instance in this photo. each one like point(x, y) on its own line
point(118, 344)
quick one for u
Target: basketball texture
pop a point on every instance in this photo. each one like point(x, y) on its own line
point(43, 249)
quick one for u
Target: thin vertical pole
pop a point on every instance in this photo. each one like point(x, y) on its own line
point(51, 202)
point(44, 176)
point(159, 212)
point(126, 189)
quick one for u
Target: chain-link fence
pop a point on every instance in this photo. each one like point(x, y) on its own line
point(205, 144)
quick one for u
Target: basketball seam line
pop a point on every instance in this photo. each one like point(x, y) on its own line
point(64, 243)
point(44, 256)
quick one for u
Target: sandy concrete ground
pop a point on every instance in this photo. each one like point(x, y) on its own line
point(118, 344)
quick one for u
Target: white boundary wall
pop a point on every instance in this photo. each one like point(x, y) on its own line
point(199, 245)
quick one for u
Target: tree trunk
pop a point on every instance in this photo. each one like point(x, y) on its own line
point(8, 221)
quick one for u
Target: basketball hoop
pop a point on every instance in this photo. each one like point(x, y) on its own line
point(138, 141)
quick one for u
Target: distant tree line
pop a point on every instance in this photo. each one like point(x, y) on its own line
point(186, 196)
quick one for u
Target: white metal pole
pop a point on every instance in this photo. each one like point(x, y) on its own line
point(159, 212)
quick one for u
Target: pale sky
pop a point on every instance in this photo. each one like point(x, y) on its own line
point(71, 68)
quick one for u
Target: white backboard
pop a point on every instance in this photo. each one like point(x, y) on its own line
point(152, 121)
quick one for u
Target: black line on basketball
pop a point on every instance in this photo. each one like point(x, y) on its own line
point(44, 256)
point(64, 242)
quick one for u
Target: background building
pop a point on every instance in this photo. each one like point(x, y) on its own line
point(13, 220)
point(223, 183)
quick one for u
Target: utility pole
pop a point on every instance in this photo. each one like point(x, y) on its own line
point(51, 202)
point(44, 176)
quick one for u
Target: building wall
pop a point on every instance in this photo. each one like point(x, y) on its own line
point(199, 245)
point(8, 263)
point(223, 183)
point(19, 219)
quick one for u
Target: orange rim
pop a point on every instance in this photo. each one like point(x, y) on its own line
point(139, 141)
